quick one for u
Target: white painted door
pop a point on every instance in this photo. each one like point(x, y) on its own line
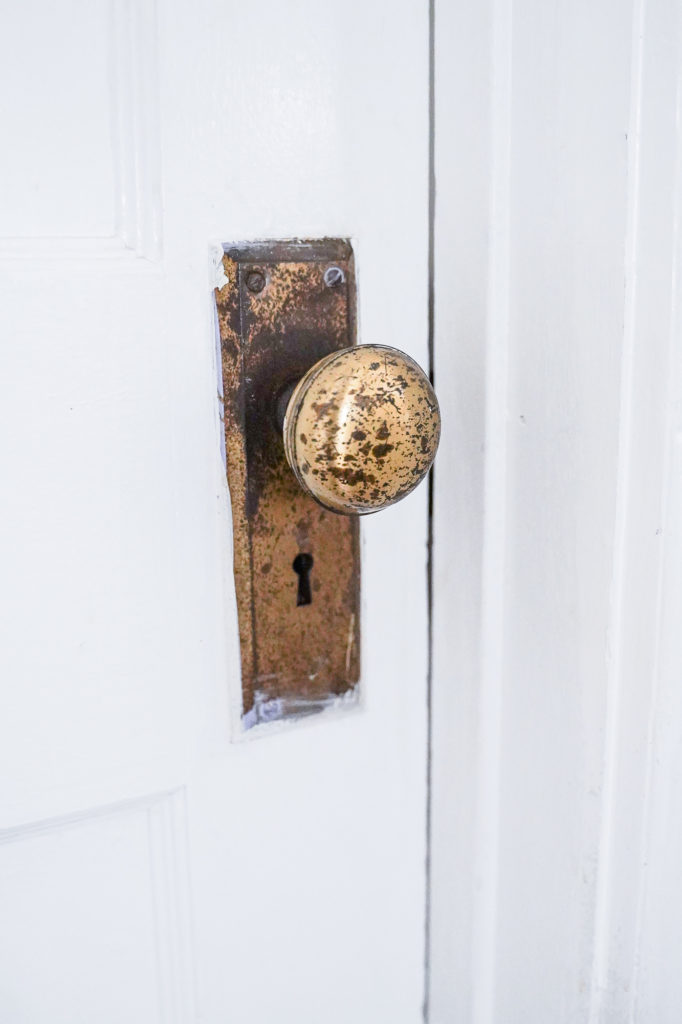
point(151, 868)
point(557, 742)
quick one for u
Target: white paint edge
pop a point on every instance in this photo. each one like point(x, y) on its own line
point(601, 956)
point(85, 249)
point(670, 461)
point(488, 760)
point(136, 147)
point(167, 838)
point(135, 126)
point(83, 817)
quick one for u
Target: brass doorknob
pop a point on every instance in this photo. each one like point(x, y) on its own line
point(361, 428)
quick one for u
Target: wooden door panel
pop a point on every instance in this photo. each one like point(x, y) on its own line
point(82, 929)
point(298, 856)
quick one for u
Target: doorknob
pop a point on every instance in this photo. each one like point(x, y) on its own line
point(361, 428)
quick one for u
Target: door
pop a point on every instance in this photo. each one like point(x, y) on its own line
point(557, 740)
point(154, 864)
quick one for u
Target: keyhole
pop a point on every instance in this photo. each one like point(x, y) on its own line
point(303, 563)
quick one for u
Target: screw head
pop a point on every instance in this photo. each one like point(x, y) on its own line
point(333, 277)
point(255, 281)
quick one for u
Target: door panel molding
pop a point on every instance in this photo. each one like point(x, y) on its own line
point(636, 848)
point(133, 116)
point(134, 869)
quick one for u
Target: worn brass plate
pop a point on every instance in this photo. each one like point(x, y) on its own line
point(296, 658)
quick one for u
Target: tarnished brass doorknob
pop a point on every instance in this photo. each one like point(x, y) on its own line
point(361, 428)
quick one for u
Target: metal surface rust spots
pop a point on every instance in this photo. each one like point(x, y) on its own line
point(277, 318)
point(368, 420)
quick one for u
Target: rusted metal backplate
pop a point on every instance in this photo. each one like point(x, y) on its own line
point(277, 317)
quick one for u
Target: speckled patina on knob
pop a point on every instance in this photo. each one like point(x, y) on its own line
point(361, 428)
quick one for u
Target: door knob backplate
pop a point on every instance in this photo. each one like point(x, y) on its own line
point(286, 306)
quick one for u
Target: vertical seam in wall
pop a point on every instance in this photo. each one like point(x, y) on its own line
point(671, 389)
point(429, 535)
point(602, 929)
point(486, 834)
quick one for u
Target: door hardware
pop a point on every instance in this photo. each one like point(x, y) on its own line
point(361, 429)
point(314, 426)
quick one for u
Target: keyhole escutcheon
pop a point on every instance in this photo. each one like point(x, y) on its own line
point(303, 563)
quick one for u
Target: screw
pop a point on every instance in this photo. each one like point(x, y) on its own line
point(255, 281)
point(333, 277)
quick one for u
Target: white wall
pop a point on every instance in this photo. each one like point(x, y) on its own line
point(557, 727)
